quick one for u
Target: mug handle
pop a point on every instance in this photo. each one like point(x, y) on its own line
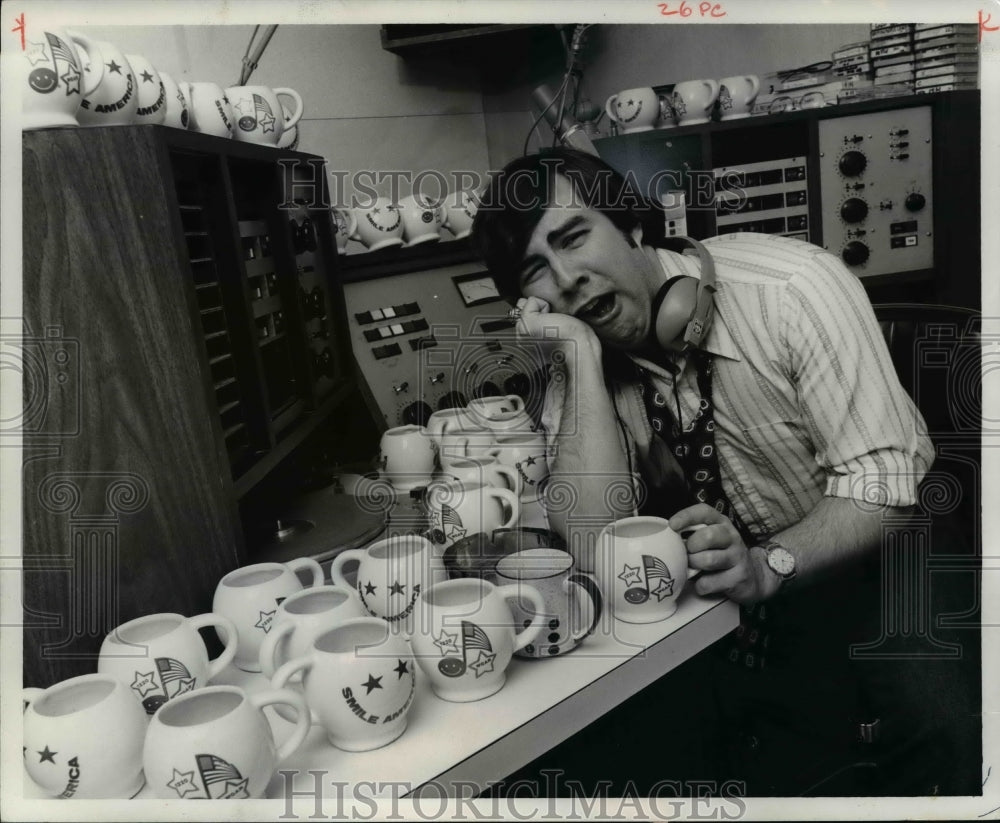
point(303, 717)
point(291, 121)
point(228, 635)
point(512, 477)
point(337, 566)
point(754, 87)
point(312, 565)
point(30, 693)
point(352, 221)
point(96, 73)
point(508, 497)
point(514, 591)
point(713, 92)
point(610, 105)
point(516, 401)
point(355, 235)
point(594, 598)
point(269, 648)
point(666, 108)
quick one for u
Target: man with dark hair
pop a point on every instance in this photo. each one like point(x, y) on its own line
point(764, 408)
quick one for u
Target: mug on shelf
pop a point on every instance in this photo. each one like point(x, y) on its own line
point(53, 82)
point(422, 219)
point(161, 656)
point(692, 100)
point(151, 92)
point(460, 211)
point(378, 225)
point(250, 596)
point(634, 109)
point(344, 221)
point(737, 95)
point(83, 738)
point(175, 112)
point(115, 99)
point(216, 744)
point(209, 111)
point(359, 680)
point(259, 115)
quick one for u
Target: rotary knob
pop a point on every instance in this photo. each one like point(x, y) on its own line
point(452, 400)
point(852, 163)
point(854, 210)
point(416, 414)
point(915, 201)
point(855, 253)
point(518, 384)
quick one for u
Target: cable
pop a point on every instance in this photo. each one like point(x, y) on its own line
point(534, 125)
point(250, 61)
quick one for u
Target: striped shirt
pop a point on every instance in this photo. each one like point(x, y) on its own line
point(807, 402)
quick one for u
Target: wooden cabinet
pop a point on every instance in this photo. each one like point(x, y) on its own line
point(183, 333)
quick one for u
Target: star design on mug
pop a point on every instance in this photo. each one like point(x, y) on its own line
point(236, 789)
point(185, 685)
point(36, 54)
point(401, 669)
point(369, 588)
point(372, 683)
point(529, 460)
point(456, 533)
point(182, 783)
point(113, 66)
point(630, 575)
point(267, 122)
point(147, 77)
point(664, 589)
point(72, 80)
point(484, 663)
point(447, 643)
point(265, 621)
point(396, 588)
point(144, 683)
point(48, 755)
point(245, 107)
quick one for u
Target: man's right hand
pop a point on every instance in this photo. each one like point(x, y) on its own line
point(560, 331)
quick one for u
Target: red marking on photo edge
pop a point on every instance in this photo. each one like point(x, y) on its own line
point(19, 28)
point(983, 25)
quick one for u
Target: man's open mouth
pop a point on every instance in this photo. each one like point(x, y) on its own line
point(597, 309)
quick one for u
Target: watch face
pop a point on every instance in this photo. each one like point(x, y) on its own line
point(781, 560)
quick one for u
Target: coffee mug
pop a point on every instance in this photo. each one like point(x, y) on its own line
point(487, 471)
point(250, 596)
point(527, 454)
point(216, 744)
point(692, 100)
point(422, 219)
point(379, 225)
point(176, 107)
point(634, 109)
point(641, 566)
point(456, 509)
point(209, 111)
point(465, 443)
point(467, 636)
point(260, 115)
point(482, 409)
point(161, 656)
point(150, 91)
point(301, 618)
point(406, 456)
point(391, 575)
point(115, 99)
point(52, 78)
point(445, 420)
point(510, 422)
point(737, 95)
point(359, 680)
point(572, 601)
point(83, 738)
point(461, 208)
point(346, 224)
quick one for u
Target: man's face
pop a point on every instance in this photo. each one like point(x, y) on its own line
point(581, 264)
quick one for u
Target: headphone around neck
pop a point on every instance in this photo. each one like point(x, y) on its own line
point(675, 317)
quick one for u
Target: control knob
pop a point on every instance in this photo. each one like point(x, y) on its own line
point(855, 253)
point(416, 414)
point(854, 210)
point(915, 201)
point(452, 400)
point(519, 384)
point(852, 163)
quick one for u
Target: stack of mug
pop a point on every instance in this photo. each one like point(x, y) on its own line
point(689, 103)
point(69, 79)
point(416, 219)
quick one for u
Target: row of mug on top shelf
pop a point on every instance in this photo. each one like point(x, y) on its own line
point(69, 79)
point(416, 219)
point(690, 103)
point(352, 673)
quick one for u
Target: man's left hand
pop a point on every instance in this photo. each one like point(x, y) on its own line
point(727, 566)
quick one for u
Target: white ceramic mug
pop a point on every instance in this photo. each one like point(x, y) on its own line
point(486, 470)
point(359, 680)
point(511, 422)
point(346, 224)
point(176, 108)
point(527, 453)
point(460, 211)
point(217, 744)
point(250, 596)
point(161, 656)
point(467, 636)
point(379, 225)
point(456, 509)
point(83, 738)
point(50, 72)
point(465, 443)
point(692, 100)
point(422, 219)
point(150, 89)
point(641, 566)
point(260, 115)
point(301, 618)
point(445, 420)
point(208, 109)
point(482, 409)
point(406, 456)
point(634, 109)
point(391, 575)
point(114, 100)
point(573, 602)
point(737, 95)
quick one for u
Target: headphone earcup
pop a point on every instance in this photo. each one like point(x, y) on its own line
point(676, 312)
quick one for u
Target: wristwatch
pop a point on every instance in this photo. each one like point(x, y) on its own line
point(779, 560)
